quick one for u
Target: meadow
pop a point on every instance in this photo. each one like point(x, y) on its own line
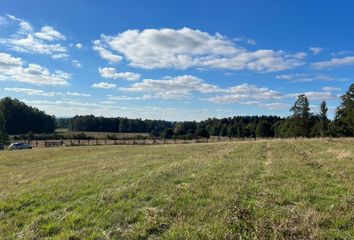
point(276, 189)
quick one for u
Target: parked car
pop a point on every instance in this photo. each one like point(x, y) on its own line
point(15, 146)
point(2, 146)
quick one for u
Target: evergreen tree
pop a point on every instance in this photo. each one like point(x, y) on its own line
point(3, 134)
point(262, 129)
point(231, 131)
point(323, 119)
point(344, 120)
point(301, 116)
point(202, 132)
point(167, 133)
point(223, 131)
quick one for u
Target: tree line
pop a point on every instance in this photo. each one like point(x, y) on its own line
point(16, 118)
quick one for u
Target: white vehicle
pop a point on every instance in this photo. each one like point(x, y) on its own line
point(15, 146)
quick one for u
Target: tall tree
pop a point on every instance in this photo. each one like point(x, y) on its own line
point(262, 129)
point(301, 116)
point(323, 119)
point(344, 120)
point(3, 134)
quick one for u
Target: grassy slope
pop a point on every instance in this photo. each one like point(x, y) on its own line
point(275, 189)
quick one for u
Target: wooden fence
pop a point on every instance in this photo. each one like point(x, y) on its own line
point(100, 142)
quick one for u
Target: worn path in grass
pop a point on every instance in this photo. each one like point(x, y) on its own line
point(286, 189)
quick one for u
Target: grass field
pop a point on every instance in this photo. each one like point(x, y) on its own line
point(279, 189)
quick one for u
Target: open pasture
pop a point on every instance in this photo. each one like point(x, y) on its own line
point(277, 189)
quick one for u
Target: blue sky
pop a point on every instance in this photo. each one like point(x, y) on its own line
point(175, 60)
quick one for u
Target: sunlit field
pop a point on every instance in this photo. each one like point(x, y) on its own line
point(278, 189)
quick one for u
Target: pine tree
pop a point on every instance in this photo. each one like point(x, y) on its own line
point(301, 116)
point(323, 119)
point(344, 120)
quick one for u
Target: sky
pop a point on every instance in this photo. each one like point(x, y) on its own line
point(175, 60)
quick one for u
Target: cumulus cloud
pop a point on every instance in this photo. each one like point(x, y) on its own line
point(175, 87)
point(316, 50)
point(185, 48)
point(183, 86)
point(78, 45)
point(106, 54)
point(110, 72)
point(244, 93)
point(12, 68)
point(334, 62)
point(27, 40)
point(104, 85)
point(49, 33)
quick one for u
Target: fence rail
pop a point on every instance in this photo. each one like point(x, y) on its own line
point(100, 142)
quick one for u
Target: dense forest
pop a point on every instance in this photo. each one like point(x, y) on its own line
point(17, 118)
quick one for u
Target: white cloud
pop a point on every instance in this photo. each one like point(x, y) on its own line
point(106, 54)
point(12, 68)
point(76, 63)
point(245, 93)
point(24, 27)
point(330, 89)
point(110, 72)
point(334, 62)
point(316, 50)
point(274, 106)
point(76, 94)
point(32, 92)
point(183, 86)
point(78, 45)
point(313, 95)
point(122, 98)
point(27, 40)
point(175, 87)
point(60, 56)
point(306, 77)
point(185, 48)
point(50, 34)
point(343, 52)
point(104, 85)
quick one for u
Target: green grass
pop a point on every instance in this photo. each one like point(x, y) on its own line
point(276, 189)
